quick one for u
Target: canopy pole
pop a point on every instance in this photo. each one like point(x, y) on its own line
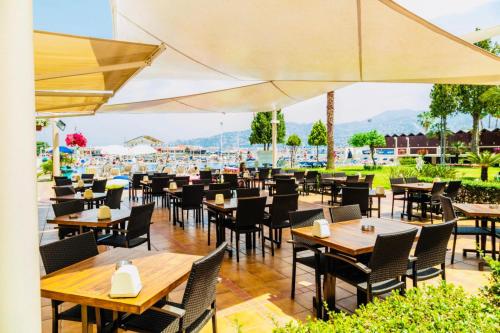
point(20, 309)
point(274, 127)
point(56, 155)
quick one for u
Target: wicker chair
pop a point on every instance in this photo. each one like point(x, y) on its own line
point(452, 189)
point(352, 179)
point(211, 214)
point(247, 192)
point(135, 185)
point(64, 190)
point(263, 176)
point(138, 225)
point(216, 186)
point(299, 176)
point(325, 185)
point(384, 272)
point(432, 199)
point(65, 208)
point(64, 253)
point(411, 180)
point(248, 221)
point(286, 186)
point(397, 193)
point(156, 190)
point(369, 179)
point(88, 177)
point(345, 213)
point(206, 174)
point(114, 198)
point(356, 196)
point(232, 179)
point(62, 181)
point(449, 215)
point(278, 218)
point(310, 182)
point(191, 199)
point(198, 304)
point(430, 252)
point(99, 185)
point(315, 258)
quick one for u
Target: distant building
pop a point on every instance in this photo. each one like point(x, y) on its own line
point(144, 140)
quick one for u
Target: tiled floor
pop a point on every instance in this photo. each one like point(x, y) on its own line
point(254, 294)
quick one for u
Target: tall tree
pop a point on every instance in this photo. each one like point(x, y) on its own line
point(425, 119)
point(372, 139)
point(261, 129)
point(330, 143)
point(317, 137)
point(470, 102)
point(294, 143)
point(443, 104)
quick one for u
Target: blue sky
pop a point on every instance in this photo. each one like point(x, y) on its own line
point(93, 18)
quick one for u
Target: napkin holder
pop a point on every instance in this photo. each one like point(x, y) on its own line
point(77, 178)
point(103, 213)
point(125, 282)
point(88, 194)
point(145, 179)
point(246, 174)
point(222, 178)
point(321, 228)
point(380, 190)
point(172, 186)
point(219, 199)
point(80, 183)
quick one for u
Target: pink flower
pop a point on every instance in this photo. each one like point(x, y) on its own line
point(76, 140)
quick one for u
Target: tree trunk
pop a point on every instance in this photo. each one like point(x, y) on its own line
point(330, 109)
point(372, 153)
point(317, 153)
point(474, 143)
point(443, 140)
point(484, 173)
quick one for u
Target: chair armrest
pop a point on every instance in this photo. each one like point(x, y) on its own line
point(412, 259)
point(170, 310)
point(309, 247)
point(119, 230)
point(351, 261)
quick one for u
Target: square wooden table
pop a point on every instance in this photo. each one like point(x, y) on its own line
point(96, 197)
point(413, 187)
point(88, 282)
point(88, 219)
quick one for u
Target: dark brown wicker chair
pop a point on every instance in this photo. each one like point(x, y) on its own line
point(212, 215)
point(221, 186)
point(137, 226)
point(62, 181)
point(135, 185)
point(248, 221)
point(156, 190)
point(64, 190)
point(352, 179)
point(65, 208)
point(397, 193)
point(232, 179)
point(356, 196)
point(299, 176)
point(430, 252)
point(452, 189)
point(325, 185)
point(310, 182)
point(385, 270)
point(314, 258)
point(247, 192)
point(99, 186)
point(198, 304)
point(114, 198)
point(345, 213)
point(88, 178)
point(431, 200)
point(263, 176)
point(206, 174)
point(64, 253)
point(369, 179)
point(411, 180)
point(277, 220)
point(286, 186)
point(191, 199)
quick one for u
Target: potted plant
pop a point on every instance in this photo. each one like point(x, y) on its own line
point(41, 123)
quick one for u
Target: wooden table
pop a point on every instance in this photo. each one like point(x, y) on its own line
point(347, 237)
point(89, 282)
point(88, 219)
point(484, 212)
point(340, 180)
point(413, 187)
point(96, 197)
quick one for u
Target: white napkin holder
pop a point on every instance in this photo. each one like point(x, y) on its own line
point(246, 174)
point(88, 194)
point(103, 213)
point(321, 228)
point(380, 190)
point(222, 178)
point(145, 179)
point(125, 282)
point(219, 199)
point(80, 183)
point(172, 186)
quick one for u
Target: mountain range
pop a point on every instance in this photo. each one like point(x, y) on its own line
point(389, 122)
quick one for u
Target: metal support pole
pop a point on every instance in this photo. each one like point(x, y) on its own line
point(274, 125)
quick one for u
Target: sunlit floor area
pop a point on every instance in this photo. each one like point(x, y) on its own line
point(254, 294)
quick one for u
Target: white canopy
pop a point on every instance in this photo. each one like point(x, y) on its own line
point(114, 150)
point(293, 40)
point(141, 150)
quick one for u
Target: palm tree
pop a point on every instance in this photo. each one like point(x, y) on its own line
point(425, 119)
point(485, 160)
point(458, 147)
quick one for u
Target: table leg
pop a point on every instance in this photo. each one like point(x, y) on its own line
point(85, 323)
point(248, 240)
point(116, 324)
point(409, 208)
point(493, 240)
point(378, 201)
point(98, 323)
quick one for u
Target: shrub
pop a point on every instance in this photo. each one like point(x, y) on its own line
point(473, 191)
point(407, 161)
point(402, 171)
point(492, 290)
point(442, 171)
point(372, 167)
point(47, 167)
point(444, 308)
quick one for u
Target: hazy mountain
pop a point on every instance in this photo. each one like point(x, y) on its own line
point(389, 122)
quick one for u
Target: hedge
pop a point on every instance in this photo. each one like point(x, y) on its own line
point(473, 191)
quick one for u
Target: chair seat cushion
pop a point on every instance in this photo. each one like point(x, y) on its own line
point(120, 241)
point(268, 220)
point(381, 287)
point(471, 231)
point(424, 274)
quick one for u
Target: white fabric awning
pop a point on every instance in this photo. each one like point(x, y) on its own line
point(315, 40)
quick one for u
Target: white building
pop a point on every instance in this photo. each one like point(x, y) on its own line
point(144, 140)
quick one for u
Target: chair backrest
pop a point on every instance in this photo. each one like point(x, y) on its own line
point(356, 196)
point(232, 179)
point(69, 251)
point(312, 175)
point(299, 176)
point(99, 185)
point(432, 244)
point(389, 259)
point(448, 210)
point(282, 206)
point(68, 207)
point(437, 190)
point(140, 220)
point(192, 195)
point(304, 218)
point(114, 198)
point(181, 179)
point(159, 183)
point(285, 186)
point(411, 180)
point(64, 190)
point(263, 173)
point(212, 193)
point(394, 181)
point(339, 174)
point(250, 212)
point(201, 181)
point(87, 176)
point(369, 180)
point(345, 213)
point(217, 186)
point(161, 174)
point(206, 174)
point(281, 176)
point(453, 188)
point(62, 181)
point(275, 171)
point(325, 175)
point(200, 290)
point(352, 179)
point(359, 185)
point(247, 192)
point(136, 179)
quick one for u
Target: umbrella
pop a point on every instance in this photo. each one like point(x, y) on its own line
point(142, 150)
point(114, 150)
point(62, 149)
